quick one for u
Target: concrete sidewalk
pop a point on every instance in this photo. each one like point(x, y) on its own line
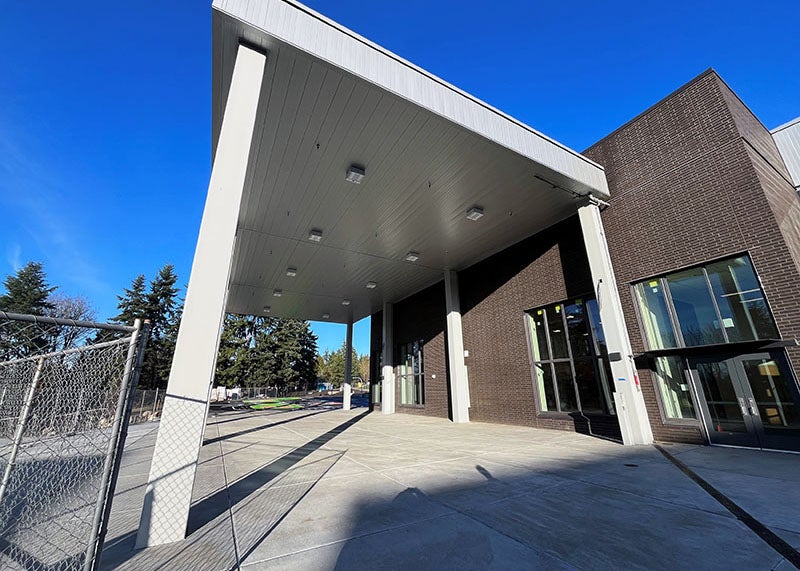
point(350, 490)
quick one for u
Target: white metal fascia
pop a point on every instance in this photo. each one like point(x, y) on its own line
point(294, 24)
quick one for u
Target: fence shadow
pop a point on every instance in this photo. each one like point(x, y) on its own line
point(227, 498)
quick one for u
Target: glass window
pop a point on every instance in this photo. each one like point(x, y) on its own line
point(721, 302)
point(570, 360)
point(655, 315)
point(744, 311)
point(586, 377)
point(673, 388)
point(566, 386)
point(540, 350)
point(578, 328)
point(544, 382)
point(694, 307)
point(557, 332)
point(411, 375)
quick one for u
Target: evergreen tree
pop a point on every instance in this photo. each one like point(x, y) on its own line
point(334, 365)
point(159, 304)
point(162, 311)
point(133, 303)
point(236, 355)
point(27, 291)
point(265, 351)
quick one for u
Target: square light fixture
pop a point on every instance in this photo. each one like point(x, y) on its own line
point(326, 315)
point(412, 256)
point(277, 292)
point(475, 213)
point(315, 235)
point(291, 272)
point(267, 309)
point(355, 174)
point(371, 285)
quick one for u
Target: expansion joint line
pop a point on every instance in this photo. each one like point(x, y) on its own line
point(762, 531)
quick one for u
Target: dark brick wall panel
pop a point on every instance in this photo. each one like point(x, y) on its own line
point(693, 178)
point(685, 190)
point(422, 316)
point(546, 268)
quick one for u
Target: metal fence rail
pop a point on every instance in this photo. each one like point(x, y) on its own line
point(65, 397)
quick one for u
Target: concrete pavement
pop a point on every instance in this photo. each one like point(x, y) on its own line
point(349, 490)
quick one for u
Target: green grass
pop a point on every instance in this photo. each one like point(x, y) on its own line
point(282, 403)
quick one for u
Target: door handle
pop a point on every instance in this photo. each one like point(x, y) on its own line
point(743, 406)
point(753, 407)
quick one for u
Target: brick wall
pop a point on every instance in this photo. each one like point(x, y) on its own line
point(693, 178)
point(685, 190)
point(422, 317)
point(546, 268)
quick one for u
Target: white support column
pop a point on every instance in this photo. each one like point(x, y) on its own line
point(631, 411)
point(387, 390)
point(347, 388)
point(459, 385)
point(180, 434)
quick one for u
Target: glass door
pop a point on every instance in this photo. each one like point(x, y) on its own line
point(749, 400)
point(723, 403)
point(773, 399)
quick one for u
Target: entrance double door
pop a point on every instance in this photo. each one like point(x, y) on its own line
point(749, 400)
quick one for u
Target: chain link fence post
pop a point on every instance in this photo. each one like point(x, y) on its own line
point(119, 432)
point(20, 431)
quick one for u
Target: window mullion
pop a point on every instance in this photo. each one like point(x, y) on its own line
point(550, 354)
point(716, 305)
point(571, 358)
point(673, 314)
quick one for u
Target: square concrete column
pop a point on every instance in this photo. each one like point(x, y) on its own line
point(180, 434)
point(347, 388)
point(631, 412)
point(387, 391)
point(459, 385)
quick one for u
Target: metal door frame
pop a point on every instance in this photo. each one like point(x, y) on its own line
point(755, 437)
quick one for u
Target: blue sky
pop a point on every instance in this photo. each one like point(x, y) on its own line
point(105, 106)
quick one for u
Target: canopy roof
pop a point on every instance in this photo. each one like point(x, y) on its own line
point(331, 99)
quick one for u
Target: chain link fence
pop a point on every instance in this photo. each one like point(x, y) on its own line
point(147, 405)
point(65, 397)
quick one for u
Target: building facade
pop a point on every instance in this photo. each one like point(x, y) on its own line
point(703, 228)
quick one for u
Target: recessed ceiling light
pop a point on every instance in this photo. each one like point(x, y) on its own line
point(475, 213)
point(291, 272)
point(345, 302)
point(355, 174)
point(277, 292)
point(371, 285)
point(315, 235)
point(326, 315)
point(267, 309)
point(412, 256)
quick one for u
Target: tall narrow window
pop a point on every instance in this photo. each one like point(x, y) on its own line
point(570, 363)
point(674, 388)
point(411, 374)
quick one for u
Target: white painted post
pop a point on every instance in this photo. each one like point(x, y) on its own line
point(387, 391)
point(631, 412)
point(459, 385)
point(348, 368)
point(180, 435)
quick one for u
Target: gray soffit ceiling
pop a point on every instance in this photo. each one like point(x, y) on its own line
point(331, 99)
